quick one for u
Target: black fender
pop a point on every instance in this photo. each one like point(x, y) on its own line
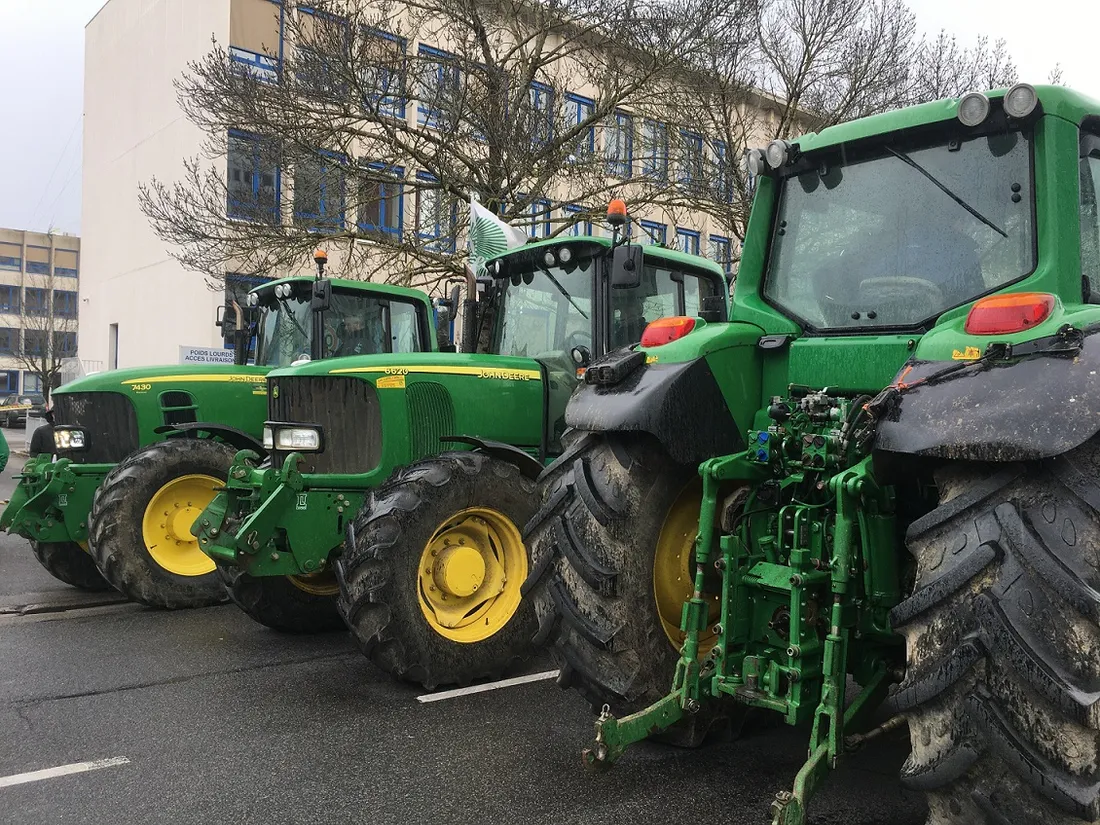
point(527, 464)
point(1041, 405)
point(230, 435)
point(681, 405)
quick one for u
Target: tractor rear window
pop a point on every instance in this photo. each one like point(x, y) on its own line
point(896, 239)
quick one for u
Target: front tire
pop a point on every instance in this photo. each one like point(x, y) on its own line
point(70, 563)
point(1002, 631)
point(432, 568)
point(305, 604)
point(140, 527)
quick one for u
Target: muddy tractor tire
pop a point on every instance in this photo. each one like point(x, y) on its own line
point(284, 603)
point(141, 520)
point(432, 568)
point(70, 563)
point(1002, 688)
point(612, 552)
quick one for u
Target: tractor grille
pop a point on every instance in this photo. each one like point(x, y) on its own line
point(347, 410)
point(431, 416)
point(109, 419)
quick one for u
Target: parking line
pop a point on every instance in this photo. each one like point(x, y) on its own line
point(503, 683)
point(62, 770)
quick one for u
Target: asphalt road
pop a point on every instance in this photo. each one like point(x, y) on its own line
point(224, 721)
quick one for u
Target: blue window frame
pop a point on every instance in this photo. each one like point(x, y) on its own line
point(9, 341)
point(38, 268)
point(384, 72)
point(653, 232)
point(37, 302)
point(65, 304)
point(381, 199)
point(436, 214)
point(655, 150)
point(253, 178)
point(722, 177)
point(11, 262)
point(65, 272)
point(541, 99)
point(34, 343)
point(438, 90)
point(320, 181)
point(618, 144)
point(64, 344)
point(260, 66)
point(718, 250)
point(32, 382)
point(9, 299)
point(538, 219)
point(687, 240)
point(691, 159)
point(9, 379)
point(581, 225)
point(579, 109)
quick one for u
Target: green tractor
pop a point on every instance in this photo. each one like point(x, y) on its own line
point(139, 456)
point(411, 478)
point(885, 468)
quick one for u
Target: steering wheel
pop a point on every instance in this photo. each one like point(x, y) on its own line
point(578, 338)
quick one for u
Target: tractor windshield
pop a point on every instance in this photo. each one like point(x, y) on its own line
point(896, 238)
point(355, 324)
point(548, 313)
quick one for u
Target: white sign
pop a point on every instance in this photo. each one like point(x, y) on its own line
point(205, 355)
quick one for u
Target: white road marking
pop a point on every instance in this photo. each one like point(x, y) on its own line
point(62, 770)
point(503, 683)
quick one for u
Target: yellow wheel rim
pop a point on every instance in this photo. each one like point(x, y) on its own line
point(322, 583)
point(166, 526)
point(470, 574)
point(674, 569)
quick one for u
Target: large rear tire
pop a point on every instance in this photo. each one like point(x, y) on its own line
point(305, 604)
point(612, 549)
point(432, 568)
point(140, 527)
point(71, 563)
point(1002, 688)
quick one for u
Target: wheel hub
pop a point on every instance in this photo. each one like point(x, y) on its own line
point(459, 570)
point(166, 525)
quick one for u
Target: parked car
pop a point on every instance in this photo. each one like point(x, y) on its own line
point(15, 408)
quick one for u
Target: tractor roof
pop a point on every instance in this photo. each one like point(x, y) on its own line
point(674, 256)
point(364, 286)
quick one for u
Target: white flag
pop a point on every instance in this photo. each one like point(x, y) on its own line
point(489, 235)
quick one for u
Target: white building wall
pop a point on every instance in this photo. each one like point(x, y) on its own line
point(133, 131)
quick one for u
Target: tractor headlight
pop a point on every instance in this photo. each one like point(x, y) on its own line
point(1021, 100)
point(973, 109)
point(549, 259)
point(253, 299)
point(268, 439)
point(69, 440)
point(565, 254)
point(778, 152)
point(298, 439)
point(755, 163)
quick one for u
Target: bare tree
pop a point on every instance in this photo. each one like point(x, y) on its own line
point(527, 105)
point(49, 331)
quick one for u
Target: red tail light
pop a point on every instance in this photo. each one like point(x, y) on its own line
point(665, 330)
point(1002, 314)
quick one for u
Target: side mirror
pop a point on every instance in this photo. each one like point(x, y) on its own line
point(219, 316)
point(322, 295)
point(626, 267)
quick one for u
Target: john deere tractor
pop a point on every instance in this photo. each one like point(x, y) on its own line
point(141, 450)
point(884, 468)
point(406, 481)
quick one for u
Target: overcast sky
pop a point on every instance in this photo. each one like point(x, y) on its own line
point(42, 59)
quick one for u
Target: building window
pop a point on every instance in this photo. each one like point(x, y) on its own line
point(9, 341)
point(35, 342)
point(253, 178)
point(254, 64)
point(64, 304)
point(687, 241)
point(655, 150)
point(381, 199)
point(436, 213)
point(37, 302)
point(718, 250)
point(384, 72)
point(313, 69)
point(319, 191)
point(439, 86)
point(65, 262)
point(64, 344)
point(653, 232)
point(11, 256)
point(32, 382)
point(9, 381)
point(537, 223)
point(578, 110)
point(691, 159)
point(581, 223)
point(9, 299)
point(722, 179)
point(541, 99)
point(618, 144)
